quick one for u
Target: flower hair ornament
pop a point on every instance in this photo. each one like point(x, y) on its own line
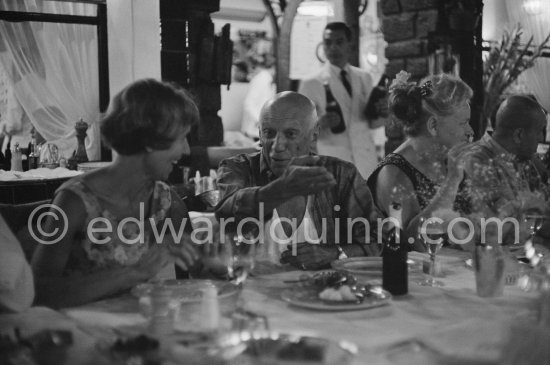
point(401, 78)
point(426, 89)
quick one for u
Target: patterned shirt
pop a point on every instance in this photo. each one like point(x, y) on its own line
point(240, 179)
point(499, 180)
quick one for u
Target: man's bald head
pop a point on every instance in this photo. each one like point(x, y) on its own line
point(287, 129)
point(517, 111)
point(519, 125)
point(289, 105)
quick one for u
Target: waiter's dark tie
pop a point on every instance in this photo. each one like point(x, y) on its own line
point(344, 77)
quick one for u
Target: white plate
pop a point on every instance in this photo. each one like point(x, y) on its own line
point(363, 268)
point(309, 298)
point(189, 290)
point(87, 166)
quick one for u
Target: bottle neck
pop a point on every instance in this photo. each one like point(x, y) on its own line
point(32, 147)
point(395, 213)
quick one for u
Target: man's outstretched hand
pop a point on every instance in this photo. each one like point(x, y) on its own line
point(303, 176)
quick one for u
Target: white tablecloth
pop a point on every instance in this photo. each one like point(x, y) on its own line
point(452, 319)
point(463, 327)
point(38, 174)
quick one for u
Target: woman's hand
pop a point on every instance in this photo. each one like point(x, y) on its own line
point(184, 254)
point(456, 161)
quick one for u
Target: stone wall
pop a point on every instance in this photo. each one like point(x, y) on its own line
point(406, 25)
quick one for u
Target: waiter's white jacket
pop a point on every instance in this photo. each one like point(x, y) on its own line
point(356, 143)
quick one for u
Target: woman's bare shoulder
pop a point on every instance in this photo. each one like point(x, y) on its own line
point(392, 177)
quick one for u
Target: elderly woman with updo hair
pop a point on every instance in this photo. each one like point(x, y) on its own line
point(113, 217)
point(425, 173)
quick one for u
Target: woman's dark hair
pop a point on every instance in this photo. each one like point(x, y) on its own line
point(148, 113)
point(439, 95)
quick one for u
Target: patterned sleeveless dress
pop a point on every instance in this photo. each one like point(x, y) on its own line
point(106, 250)
point(424, 188)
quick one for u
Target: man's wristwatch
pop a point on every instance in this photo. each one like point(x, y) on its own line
point(341, 253)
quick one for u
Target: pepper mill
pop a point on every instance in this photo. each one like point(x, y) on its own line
point(80, 154)
point(16, 159)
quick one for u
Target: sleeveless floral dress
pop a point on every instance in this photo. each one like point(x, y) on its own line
point(424, 188)
point(106, 250)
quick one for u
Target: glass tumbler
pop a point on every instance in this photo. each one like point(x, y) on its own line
point(489, 270)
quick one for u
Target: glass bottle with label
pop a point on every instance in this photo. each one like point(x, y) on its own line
point(394, 255)
point(333, 107)
point(7, 156)
point(33, 155)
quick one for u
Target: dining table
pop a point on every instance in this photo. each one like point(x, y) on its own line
point(19, 187)
point(450, 324)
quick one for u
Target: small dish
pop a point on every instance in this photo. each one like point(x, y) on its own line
point(189, 290)
point(309, 298)
point(186, 300)
point(365, 269)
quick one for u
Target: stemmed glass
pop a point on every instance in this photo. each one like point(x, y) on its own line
point(230, 256)
point(237, 254)
point(534, 222)
point(432, 236)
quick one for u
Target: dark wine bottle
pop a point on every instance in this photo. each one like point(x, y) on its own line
point(33, 155)
point(7, 156)
point(378, 92)
point(334, 107)
point(394, 256)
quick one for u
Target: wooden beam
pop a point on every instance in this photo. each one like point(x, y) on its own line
point(351, 18)
point(272, 17)
point(283, 46)
point(96, 2)
point(103, 57)
point(19, 16)
point(276, 32)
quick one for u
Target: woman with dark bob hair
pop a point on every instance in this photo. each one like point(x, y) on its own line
point(114, 216)
point(424, 173)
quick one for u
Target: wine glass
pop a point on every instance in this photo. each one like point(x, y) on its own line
point(432, 236)
point(236, 254)
point(534, 222)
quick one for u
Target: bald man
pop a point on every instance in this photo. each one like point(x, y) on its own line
point(302, 201)
point(507, 179)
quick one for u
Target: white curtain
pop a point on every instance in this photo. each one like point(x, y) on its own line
point(538, 77)
point(53, 68)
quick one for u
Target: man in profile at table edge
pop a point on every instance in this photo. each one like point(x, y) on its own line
point(506, 177)
point(286, 180)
